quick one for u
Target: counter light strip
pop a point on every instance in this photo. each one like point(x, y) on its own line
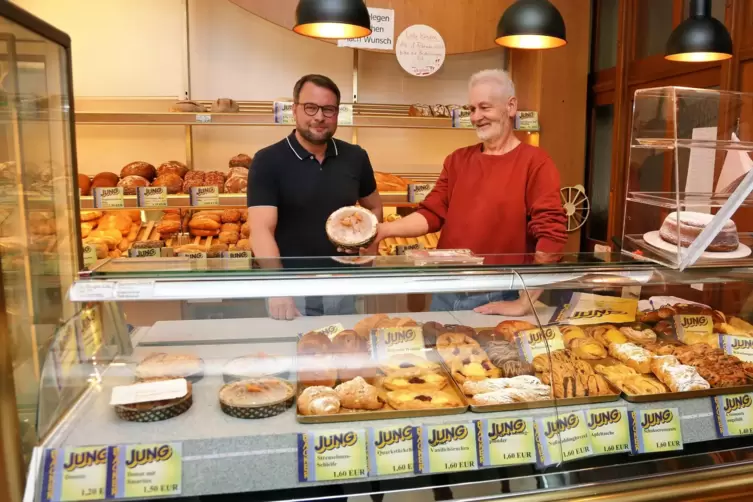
point(278, 451)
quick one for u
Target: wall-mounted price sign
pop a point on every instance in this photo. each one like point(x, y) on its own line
point(205, 196)
point(151, 196)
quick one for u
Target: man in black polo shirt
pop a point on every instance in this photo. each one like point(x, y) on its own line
point(295, 184)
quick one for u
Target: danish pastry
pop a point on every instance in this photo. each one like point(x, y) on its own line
point(471, 388)
point(410, 400)
point(512, 395)
point(427, 381)
point(570, 333)
point(508, 329)
point(678, 377)
point(588, 348)
point(407, 365)
point(473, 370)
point(639, 385)
point(632, 355)
point(357, 394)
point(450, 340)
point(314, 342)
point(348, 341)
point(611, 335)
point(636, 335)
point(319, 400)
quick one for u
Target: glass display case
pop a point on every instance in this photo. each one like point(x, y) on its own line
point(610, 371)
point(38, 244)
point(689, 180)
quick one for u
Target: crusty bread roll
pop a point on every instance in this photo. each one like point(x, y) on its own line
point(231, 216)
point(130, 184)
point(172, 167)
point(204, 224)
point(241, 160)
point(90, 215)
point(139, 168)
point(84, 184)
point(236, 184)
point(168, 227)
point(187, 106)
point(231, 227)
point(197, 232)
point(245, 230)
point(243, 244)
point(104, 182)
point(228, 237)
point(225, 105)
point(172, 182)
point(106, 175)
point(207, 215)
point(121, 222)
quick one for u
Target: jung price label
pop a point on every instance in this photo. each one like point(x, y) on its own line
point(145, 252)
point(527, 121)
point(420, 50)
point(345, 117)
point(203, 118)
point(90, 255)
point(738, 346)
point(699, 325)
point(505, 441)
point(283, 112)
point(391, 341)
point(564, 437)
point(332, 455)
point(533, 342)
point(331, 330)
point(198, 258)
point(446, 448)
point(146, 470)
point(587, 308)
point(733, 414)
point(382, 32)
point(391, 450)
point(609, 429)
point(418, 192)
point(108, 198)
point(205, 196)
point(151, 196)
point(655, 430)
point(461, 118)
point(75, 473)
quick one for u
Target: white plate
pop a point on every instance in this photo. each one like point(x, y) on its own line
point(354, 260)
point(655, 240)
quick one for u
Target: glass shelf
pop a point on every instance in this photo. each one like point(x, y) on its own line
point(672, 143)
point(687, 200)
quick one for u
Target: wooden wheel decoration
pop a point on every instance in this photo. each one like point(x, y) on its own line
point(576, 205)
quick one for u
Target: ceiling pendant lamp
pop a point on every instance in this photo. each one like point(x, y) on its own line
point(531, 24)
point(339, 19)
point(701, 37)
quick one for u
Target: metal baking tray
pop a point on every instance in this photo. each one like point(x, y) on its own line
point(387, 412)
point(529, 405)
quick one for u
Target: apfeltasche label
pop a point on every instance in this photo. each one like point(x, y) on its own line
point(609, 429)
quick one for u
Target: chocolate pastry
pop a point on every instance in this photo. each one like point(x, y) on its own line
point(431, 330)
point(459, 328)
point(487, 336)
point(501, 352)
point(513, 368)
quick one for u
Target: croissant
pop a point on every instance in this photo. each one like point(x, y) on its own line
point(358, 395)
point(318, 401)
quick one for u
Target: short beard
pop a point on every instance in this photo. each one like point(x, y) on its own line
point(313, 139)
point(490, 134)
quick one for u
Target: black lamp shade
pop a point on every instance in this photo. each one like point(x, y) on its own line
point(700, 37)
point(340, 19)
point(531, 24)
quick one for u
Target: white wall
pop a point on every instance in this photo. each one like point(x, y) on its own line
point(134, 48)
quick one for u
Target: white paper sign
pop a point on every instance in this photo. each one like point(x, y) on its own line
point(420, 50)
point(134, 290)
point(149, 391)
point(382, 32)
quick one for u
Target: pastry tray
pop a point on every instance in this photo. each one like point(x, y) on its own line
point(385, 414)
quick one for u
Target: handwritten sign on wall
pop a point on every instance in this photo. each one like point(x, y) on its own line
point(420, 50)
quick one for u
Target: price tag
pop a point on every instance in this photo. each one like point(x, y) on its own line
point(401, 249)
point(237, 255)
point(198, 258)
point(461, 118)
point(332, 455)
point(391, 450)
point(205, 196)
point(656, 430)
point(505, 441)
point(690, 327)
point(90, 332)
point(564, 437)
point(587, 308)
point(75, 473)
point(134, 290)
point(527, 121)
point(418, 192)
point(533, 342)
point(90, 255)
point(146, 470)
point(345, 117)
point(331, 330)
point(390, 341)
point(733, 414)
point(738, 346)
point(92, 291)
point(283, 111)
point(108, 198)
point(447, 448)
point(609, 430)
point(203, 118)
point(151, 196)
point(145, 252)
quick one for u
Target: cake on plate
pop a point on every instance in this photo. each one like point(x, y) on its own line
point(691, 224)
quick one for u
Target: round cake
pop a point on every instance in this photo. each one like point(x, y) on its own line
point(256, 398)
point(352, 227)
point(256, 366)
point(691, 224)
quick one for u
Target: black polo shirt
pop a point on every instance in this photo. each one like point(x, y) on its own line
point(287, 176)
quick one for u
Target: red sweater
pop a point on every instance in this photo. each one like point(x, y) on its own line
point(498, 204)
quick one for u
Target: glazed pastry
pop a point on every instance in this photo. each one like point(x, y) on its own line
point(314, 342)
point(500, 352)
point(570, 333)
point(407, 365)
point(615, 372)
point(512, 395)
point(472, 388)
point(513, 368)
point(508, 329)
point(678, 377)
point(639, 335)
point(639, 385)
point(348, 341)
point(169, 365)
point(568, 387)
point(462, 371)
point(431, 330)
point(357, 394)
point(450, 340)
point(587, 348)
point(316, 370)
point(318, 401)
point(596, 385)
point(486, 337)
point(632, 355)
point(738, 324)
point(364, 326)
point(427, 381)
point(410, 400)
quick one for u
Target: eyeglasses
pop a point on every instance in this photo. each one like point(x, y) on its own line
point(312, 109)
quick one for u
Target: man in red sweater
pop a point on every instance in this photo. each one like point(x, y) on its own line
point(499, 197)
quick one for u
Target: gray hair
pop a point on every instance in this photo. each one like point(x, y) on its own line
point(498, 78)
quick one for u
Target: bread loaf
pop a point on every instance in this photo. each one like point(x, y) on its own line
point(106, 175)
point(390, 183)
point(230, 227)
point(187, 106)
point(171, 181)
point(228, 237)
point(204, 224)
point(440, 111)
point(104, 182)
point(243, 244)
point(209, 215)
point(225, 105)
point(245, 230)
point(168, 227)
point(236, 184)
point(171, 217)
point(241, 160)
point(131, 183)
point(419, 111)
point(194, 175)
point(197, 232)
point(172, 167)
point(231, 216)
point(84, 184)
point(238, 171)
point(140, 168)
point(215, 178)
